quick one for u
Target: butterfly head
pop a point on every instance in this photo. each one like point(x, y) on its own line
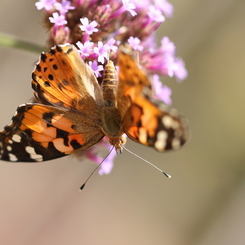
point(118, 142)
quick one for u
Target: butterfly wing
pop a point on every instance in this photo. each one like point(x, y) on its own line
point(145, 121)
point(40, 132)
point(61, 78)
point(155, 124)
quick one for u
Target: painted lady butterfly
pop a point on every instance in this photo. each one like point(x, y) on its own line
point(72, 112)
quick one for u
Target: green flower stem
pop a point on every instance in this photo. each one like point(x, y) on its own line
point(13, 42)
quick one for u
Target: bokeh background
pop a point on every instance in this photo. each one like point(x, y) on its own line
point(203, 203)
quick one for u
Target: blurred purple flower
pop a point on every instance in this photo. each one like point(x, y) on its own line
point(166, 7)
point(63, 7)
point(162, 92)
point(155, 14)
point(134, 42)
point(129, 7)
point(46, 4)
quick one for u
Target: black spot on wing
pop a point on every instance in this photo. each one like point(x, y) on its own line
point(58, 48)
point(43, 57)
point(65, 82)
point(53, 51)
point(55, 67)
point(47, 84)
point(50, 77)
point(69, 50)
point(75, 144)
point(47, 117)
point(38, 67)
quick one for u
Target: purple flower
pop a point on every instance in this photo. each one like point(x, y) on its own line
point(167, 46)
point(166, 7)
point(94, 154)
point(64, 6)
point(46, 4)
point(89, 28)
point(162, 92)
point(180, 71)
point(141, 4)
point(101, 51)
point(135, 43)
point(96, 68)
point(107, 165)
point(85, 49)
point(58, 20)
point(155, 14)
point(127, 6)
point(111, 45)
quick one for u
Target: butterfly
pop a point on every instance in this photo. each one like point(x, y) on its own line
point(71, 111)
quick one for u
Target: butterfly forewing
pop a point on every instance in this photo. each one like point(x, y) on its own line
point(61, 78)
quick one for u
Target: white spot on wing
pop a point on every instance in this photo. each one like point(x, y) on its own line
point(33, 154)
point(10, 141)
point(161, 140)
point(16, 138)
point(12, 157)
point(176, 143)
point(9, 148)
point(30, 150)
point(167, 121)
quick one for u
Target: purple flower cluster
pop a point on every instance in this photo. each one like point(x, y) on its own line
point(98, 27)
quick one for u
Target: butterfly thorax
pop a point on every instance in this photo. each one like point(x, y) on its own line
point(111, 117)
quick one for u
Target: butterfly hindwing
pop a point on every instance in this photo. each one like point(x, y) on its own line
point(40, 133)
point(155, 125)
point(146, 121)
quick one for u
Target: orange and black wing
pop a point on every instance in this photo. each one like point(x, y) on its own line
point(146, 121)
point(61, 78)
point(40, 132)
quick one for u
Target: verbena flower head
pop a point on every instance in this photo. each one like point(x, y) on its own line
point(98, 27)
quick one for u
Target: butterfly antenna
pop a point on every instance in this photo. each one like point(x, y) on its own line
point(82, 187)
point(166, 174)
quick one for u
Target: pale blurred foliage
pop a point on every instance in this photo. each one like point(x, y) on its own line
point(203, 203)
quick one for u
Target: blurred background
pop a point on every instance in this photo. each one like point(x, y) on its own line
point(203, 203)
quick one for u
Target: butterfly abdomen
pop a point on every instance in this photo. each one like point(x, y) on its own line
point(109, 85)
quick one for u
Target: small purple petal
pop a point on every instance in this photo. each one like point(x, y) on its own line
point(107, 165)
point(111, 45)
point(135, 43)
point(58, 20)
point(166, 7)
point(101, 51)
point(85, 49)
point(46, 4)
point(142, 4)
point(155, 14)
point(162, 92)
point(88, 27)
point(129, 7)
point(167, 46)
point(64, 6)
point(96, 68)
point(180, 72)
